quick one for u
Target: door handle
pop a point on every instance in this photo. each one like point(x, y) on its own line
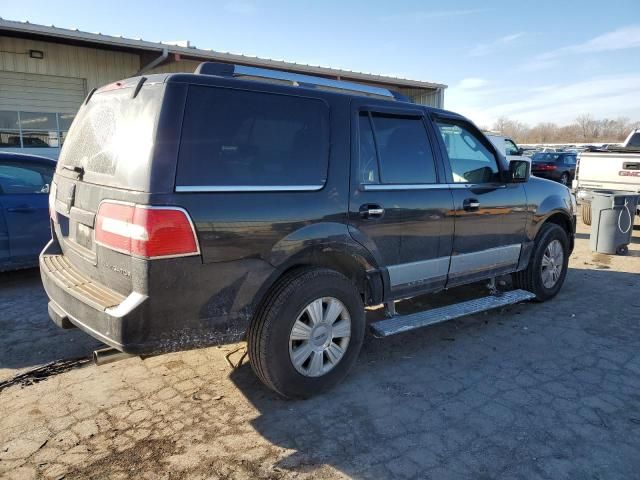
point(21, 209)
point(471, 205)
point(371, 211)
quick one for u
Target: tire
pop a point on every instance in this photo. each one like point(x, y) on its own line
point(586, 213)
point(532, 278)
point(564, 179)
point(270, 345)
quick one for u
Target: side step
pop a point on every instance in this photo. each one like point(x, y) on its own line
point(404, 323)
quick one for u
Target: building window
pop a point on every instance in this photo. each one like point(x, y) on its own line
point(33, 129)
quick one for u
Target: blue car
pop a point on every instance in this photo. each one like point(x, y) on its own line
point(24, 208)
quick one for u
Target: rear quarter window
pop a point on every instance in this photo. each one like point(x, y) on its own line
point(237, 139)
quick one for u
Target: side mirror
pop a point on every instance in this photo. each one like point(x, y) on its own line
point(520, 151)
point(519, 171)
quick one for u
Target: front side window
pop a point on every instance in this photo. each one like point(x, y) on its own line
point(16, 178)
point(236, 138)
point(395, 149)
point(471, 161)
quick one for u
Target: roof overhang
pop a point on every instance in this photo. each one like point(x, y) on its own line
point(108, 42)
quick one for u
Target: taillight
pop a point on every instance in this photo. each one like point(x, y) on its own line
point(146, 231)
point(52, 202)
point(545, 166)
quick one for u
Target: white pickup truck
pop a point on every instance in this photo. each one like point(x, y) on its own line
point(617, 168)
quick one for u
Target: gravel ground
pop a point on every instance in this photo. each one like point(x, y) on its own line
point(533, 391)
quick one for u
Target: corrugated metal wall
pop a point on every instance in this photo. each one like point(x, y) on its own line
point(432, 98)
point(97, 67)
point(40, 93)
point(187, 66)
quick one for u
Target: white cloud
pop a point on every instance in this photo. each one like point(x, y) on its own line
point(605, 96)
point(483, 49)
point(241, 8)
point(471, 83)
point(620, 39)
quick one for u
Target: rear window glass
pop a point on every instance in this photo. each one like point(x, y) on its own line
point(546, 157)
point(236, 138)
point(112, 137)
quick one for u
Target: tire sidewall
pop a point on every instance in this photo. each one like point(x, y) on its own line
point(285, 377)
point(551, 232)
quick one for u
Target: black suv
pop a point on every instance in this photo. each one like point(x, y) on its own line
point(197, 209)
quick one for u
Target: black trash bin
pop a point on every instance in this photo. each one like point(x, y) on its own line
point(612, 216)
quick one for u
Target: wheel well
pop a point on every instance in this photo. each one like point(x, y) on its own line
point(366, 279)
point(563, 221)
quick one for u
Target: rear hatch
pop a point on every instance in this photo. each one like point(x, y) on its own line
point(107, 155)
point(544, 162)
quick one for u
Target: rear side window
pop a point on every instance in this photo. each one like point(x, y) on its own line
point(236, 139)
point(395, 150)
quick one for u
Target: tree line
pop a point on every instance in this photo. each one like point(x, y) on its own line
point(584, 129)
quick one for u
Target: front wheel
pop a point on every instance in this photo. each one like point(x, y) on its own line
point(308, 333)
point(548, 265)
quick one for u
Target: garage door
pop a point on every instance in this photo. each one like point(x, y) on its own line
point(29, 92)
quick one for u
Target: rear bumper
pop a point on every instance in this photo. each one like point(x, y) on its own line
point(185, 304)
point(75, 300)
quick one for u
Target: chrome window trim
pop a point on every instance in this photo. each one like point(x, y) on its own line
point(398, 186)
point(248, 188)
point(427, 186)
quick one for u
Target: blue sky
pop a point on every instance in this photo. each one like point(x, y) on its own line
point(531, 61)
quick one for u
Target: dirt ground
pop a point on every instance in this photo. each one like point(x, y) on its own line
point(532, 391)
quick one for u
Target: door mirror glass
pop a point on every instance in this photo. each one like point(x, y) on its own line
point(519, 171)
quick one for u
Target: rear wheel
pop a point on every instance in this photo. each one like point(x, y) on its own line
point(586, 213)
point(548, 265)
point(308, 333)
point(564, 179)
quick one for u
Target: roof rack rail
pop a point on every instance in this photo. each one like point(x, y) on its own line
point(296, 79)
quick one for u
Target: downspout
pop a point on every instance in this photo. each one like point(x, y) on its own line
point(154, 63)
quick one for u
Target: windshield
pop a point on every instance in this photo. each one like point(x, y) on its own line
point(634, 141)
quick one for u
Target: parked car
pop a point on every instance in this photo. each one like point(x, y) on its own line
point(276, 211)
point(560, 167)
point(614, 168)
point(506, 146)
point(24, 218)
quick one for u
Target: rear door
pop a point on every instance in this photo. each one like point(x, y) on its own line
point(108, 155)
point(490, 214)
point(400, 207)
point(24, 188)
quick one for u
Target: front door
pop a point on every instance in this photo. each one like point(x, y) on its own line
point(490, 214)
point(400, 205)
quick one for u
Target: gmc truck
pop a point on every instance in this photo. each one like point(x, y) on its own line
point(617, 168)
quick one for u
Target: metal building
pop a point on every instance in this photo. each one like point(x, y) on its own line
point(46, 72)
